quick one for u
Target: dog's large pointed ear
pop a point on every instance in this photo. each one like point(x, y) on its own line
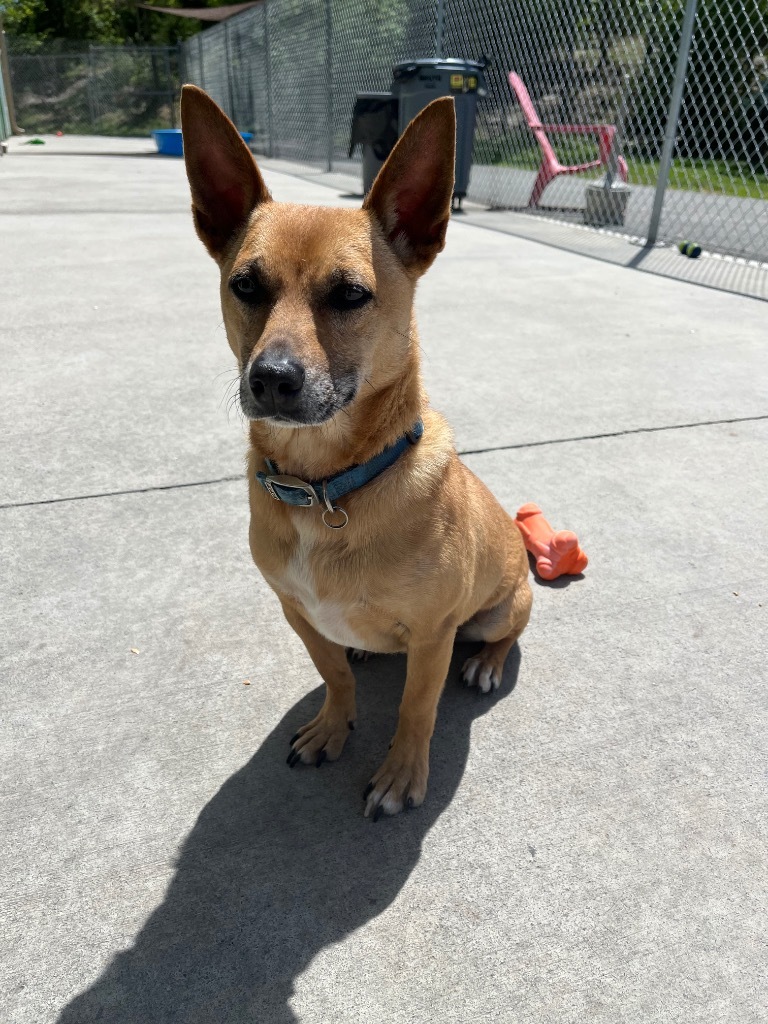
point(226, 183)
point(411, 196)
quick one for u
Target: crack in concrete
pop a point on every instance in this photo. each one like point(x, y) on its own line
point(468, 451)
point(117, 494)
point(613, 433)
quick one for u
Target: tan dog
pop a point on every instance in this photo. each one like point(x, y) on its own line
point(318, 308)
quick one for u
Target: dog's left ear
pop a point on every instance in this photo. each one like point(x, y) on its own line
point(226, 183)
point(411, 196)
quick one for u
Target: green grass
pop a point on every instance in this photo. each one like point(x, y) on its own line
point(716, 177)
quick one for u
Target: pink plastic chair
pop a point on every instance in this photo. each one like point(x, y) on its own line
point(550, 165)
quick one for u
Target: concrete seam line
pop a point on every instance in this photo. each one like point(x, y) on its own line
point(117, 494)
point(471, 451)
point(612, 433)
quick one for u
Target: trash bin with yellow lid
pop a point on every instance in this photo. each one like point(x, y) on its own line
point(417, 82)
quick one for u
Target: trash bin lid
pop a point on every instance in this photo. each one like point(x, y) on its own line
point(373, 96)
point(464, 75)
point(409, 67)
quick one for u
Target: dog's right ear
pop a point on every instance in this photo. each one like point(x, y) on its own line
point(225, 182)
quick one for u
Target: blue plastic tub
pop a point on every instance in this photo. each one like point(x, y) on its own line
point(168, 141)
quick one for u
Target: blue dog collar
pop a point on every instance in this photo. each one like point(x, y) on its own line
point(302, 493)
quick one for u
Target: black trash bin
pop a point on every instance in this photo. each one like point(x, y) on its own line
point(374, 127)
point(417, 82)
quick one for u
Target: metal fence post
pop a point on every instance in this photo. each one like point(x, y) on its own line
point(90, 89)
point(329, 83)
point(268, 71)
point(672, 118)
point(440, 28)
point(170, 84)
point(5, 72)
point(200, 52)
point(228, 59)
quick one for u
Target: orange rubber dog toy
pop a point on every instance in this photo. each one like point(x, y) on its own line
point(556, 554)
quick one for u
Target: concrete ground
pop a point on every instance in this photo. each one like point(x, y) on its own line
point(592, 847)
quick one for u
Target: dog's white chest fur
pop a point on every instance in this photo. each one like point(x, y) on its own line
point(327, 616)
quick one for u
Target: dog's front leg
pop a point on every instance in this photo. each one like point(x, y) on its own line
point(402, 779)
point(324, 737)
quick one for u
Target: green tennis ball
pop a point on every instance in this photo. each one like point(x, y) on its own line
point(690, 249)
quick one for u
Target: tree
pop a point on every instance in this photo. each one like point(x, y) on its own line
point(99, 21)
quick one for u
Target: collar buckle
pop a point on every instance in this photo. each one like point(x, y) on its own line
point(290, 490)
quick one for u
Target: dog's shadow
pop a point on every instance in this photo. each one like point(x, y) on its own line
point(281, 864)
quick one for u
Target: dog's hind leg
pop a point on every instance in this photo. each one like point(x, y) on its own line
point(500, 626)
point(324, 737)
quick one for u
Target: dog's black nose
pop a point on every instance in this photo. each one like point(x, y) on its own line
point(276, 382)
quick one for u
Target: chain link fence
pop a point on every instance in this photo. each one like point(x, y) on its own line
point(584, 62)
point(103, 90)
point(289, 71)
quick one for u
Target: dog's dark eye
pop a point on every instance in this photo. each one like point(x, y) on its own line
point(349, 296)
point(246, 289)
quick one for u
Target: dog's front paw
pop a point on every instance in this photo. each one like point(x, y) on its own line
point(323, 738)
point(400, 782)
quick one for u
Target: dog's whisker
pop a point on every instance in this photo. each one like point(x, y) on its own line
point(402, 334)
point(231, 396)
point(234, 377)
point(233, 402)
point(230, 369)
point(231, 389)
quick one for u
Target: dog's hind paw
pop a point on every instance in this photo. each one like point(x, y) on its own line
point(482, 673)
point(358, 654)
